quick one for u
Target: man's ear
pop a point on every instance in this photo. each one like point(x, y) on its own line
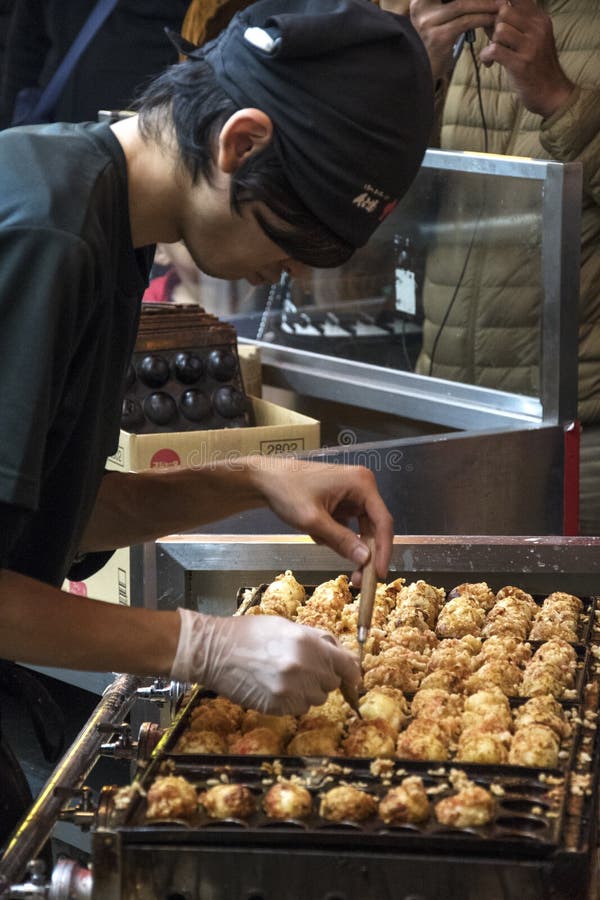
point(246, 132)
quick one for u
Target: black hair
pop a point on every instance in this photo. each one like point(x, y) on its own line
point(198, 108)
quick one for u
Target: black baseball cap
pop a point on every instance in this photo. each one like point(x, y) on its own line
point(348, 88)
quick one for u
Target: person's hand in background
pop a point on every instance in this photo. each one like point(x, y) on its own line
point(441, 24)
point(522, 41)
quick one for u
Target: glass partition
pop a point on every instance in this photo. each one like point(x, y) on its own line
point(479, 244)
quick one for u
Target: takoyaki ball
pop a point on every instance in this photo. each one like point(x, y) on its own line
point(543, 710)
point(347, 804)
point(489, 709)
point(479, 591)
point(445, 679)
point(389, 675)
point(417, 640)
point(408, 802)
point(424, 597)
point(385, 702)
point(522, 597)
point(504, 647)
point(477, 746)
point(283, 726)
point(315, 742)
point(504, 675)
point(216, 714)
point(550, 626)
point(458, 617)
point(335, 709)
point(434, 703)
point(171, 797)
point(258, 742)
point(440, 706)
point(423, 739)
point(472, 806)
point(372, 738)
point(228, 801)
point(287, 800)
point(349, 639)
point(535, 746)
point(452, 659)
point(283, 596)
point(560, 597)
point(543, 679)
point(331, 595)
point(318, 617)
point(207, 742)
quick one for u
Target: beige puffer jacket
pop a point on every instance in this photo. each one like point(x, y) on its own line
point(491, 337)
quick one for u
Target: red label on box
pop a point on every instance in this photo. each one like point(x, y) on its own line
point(164, 459)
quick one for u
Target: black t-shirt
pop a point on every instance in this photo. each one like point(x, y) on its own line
point(70, 289)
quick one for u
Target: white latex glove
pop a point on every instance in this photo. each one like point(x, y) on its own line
point(264, 662)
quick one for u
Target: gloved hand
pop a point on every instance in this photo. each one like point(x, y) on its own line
point(264, 662)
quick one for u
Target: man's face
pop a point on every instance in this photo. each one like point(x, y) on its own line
point(231, 246)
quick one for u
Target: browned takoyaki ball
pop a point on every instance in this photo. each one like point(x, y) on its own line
point(283, 596)
point(365, 739)
point(216, 714)
point(258, 742)
point(544, 678)
point(385, 703)
point(335, 711)
point(408, 802)
point(558, 653)
point(470, 807)
point(459, 617)
point(479, 591)
point(210, 742)
point(423, 597)
point(393, 671)
point(423, 739)
point(283, 726)
point(287, 800)
point(477, 746)
point(504, 647)
point(489, 710)
point(347, 803)
point(315, 742)
point(504, 675)
point(417, 640)
point(171, 797)
point(228, 801)
point(440, 706)
point(534, 745)
point(543, 710)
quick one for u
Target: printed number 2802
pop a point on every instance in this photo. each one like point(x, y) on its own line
point(273, 447)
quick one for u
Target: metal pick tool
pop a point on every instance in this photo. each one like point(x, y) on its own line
point(367, 599)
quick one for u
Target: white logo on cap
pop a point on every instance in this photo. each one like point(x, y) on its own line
point(366, 201)
point(260, 38)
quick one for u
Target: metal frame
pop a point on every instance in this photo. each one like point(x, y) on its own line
point(449, 403)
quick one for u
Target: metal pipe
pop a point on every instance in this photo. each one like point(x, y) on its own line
point(71, 772)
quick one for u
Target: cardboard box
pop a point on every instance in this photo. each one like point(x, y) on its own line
point(111, 583)
point(251, 368)
point(277, 431)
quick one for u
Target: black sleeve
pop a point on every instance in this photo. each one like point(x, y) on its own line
point(12, 522)
point(27, 44)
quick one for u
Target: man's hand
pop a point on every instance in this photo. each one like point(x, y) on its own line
point(441, 24)
point(320, 499)
point(522, 40)
point(263, 662)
